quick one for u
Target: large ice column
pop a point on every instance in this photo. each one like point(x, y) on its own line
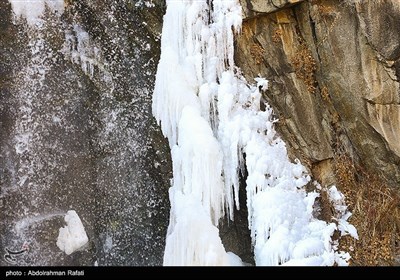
point(194, 54)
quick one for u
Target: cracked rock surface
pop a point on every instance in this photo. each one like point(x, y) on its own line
point(334, 69)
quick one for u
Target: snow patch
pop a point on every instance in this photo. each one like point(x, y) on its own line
point(73, 236)
point(148, 4)
point(262, 83)
point(341, 213)
point(32, 10)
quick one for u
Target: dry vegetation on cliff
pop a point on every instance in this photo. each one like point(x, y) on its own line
point(376, 215)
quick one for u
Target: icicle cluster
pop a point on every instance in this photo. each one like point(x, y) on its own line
point(81, 50)
point(212, 117)
point(197, 45)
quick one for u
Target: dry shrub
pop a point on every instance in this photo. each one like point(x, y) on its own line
point(276, 38)
point(257, 53)
point(304, 66)
point(325, 95)
point(326, 10)
point(330, 15)
point(376, 215)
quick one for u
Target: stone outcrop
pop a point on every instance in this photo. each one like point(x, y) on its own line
point(334, 72)
point(252, 8)
point(333, 67)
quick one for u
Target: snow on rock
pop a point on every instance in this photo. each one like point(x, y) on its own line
point(73, 236)
point(215, 127)
point(262, 83)
point(32, 10)
point(341, 213)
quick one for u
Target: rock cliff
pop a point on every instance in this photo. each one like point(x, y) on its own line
point(333, 68)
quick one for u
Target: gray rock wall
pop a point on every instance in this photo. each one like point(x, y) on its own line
point(77, 133)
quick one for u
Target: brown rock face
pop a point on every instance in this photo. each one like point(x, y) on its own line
point(334, 72)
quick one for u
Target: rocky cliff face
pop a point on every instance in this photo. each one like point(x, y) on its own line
point(77, 133)
point(334, 76)
point(333, 68)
